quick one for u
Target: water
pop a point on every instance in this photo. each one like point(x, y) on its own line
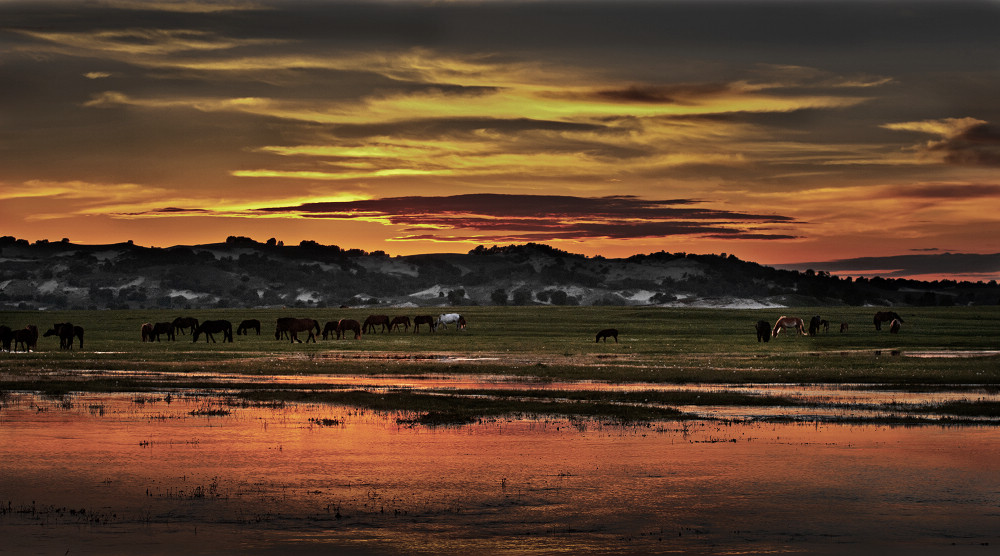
point(124, 474)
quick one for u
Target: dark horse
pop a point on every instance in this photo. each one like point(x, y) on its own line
point(66, 332)
point(763, 331)
point(885, 316)
point(183, 323)
point(210, 327)
point(612, 332)
point(399, 321)
point(6, 337)
point(894, 326)
point(27, 337)
point(814, 324)
point(166, 328)
point(349, 324)
point(423, 319)
point(293, 326)
point(376, 320)
point(147, 331)
point(244, 328)
point(330, 328)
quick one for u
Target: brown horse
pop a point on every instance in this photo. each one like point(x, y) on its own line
point(844, 327)
point(250, 324)
point(147, 332)
point(183, 323)
point(789, 322)
point(376, 320)
point(894, 326)
point(607, 332)
point(885, 316)
point(330, 328)
point(211, 327)
point(293, 326)
point(399, 321)
point(423, 319)
point(349, 324)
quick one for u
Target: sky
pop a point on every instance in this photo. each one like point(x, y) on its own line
point(861, 132)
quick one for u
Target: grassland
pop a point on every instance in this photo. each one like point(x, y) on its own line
point(954, 346)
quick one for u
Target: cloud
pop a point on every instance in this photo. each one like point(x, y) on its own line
point(969, 265)
point(964, 141)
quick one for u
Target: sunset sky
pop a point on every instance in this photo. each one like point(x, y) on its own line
point(780, 132)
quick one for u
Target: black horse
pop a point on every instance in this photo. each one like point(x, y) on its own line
point(166, 328)
point(211, 327)
point(423, 319)
point(885, 316)
point(814, 324)
point(65, 332)
point(250, 324)
point(604, 334)
point(26, 337)
point(763, 331)
point(6, 337)
point(293, 326)
point(183, 323)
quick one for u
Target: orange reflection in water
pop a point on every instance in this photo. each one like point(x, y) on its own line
point(103, 473)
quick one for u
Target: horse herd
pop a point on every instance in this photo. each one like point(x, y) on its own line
point(290, 327)
point(765, 331)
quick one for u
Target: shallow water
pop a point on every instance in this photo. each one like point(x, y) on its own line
point(106, 474)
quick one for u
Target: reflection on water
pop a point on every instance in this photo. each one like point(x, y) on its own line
point(190, 474)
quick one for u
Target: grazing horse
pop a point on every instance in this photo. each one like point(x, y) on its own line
point(894, 326)
point(451, 318)
point(885, 316)
point(825, 324)
point(423, 319)
point(183, 323)
point(6, 337)
point(162, 328)
point(210, 327)
point(293, 326)
point(789, 322)
point(330, 328)
point(612, 332)
point(27, 337)
point(399, 321)
point(147, 332)
point(349, 324)
point(763, 331)
point(65, 332)
point(844, 326)
point(376, 320)
point(814, 324)
point(244, 328)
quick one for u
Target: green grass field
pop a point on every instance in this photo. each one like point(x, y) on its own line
point(655, 344)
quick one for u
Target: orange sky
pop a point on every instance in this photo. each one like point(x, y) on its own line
point(780, 132)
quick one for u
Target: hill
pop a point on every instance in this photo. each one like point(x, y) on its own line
point(245, 273)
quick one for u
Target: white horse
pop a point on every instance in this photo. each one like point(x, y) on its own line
point(450, 318)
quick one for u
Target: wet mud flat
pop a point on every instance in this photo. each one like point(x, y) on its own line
point(199, 472)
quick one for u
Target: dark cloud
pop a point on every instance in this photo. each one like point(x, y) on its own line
point(977, 145)
point(946, 191)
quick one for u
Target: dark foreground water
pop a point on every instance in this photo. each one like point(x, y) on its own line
point(128, 474)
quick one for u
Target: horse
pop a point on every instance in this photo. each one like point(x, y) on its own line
point(399, 321)
point(293, 326)
point(244, 328)
point(162, 328)
point(814, 324)
point(210, 327)
point(65, 332)
point(825, 324)
point(885, 316)
point(147, 332)
point(6, 337)
point(423, 319)
point(612, 332)
point(349, 324)
point(183, 323)
point(330, 328)
point(451, 318)
point(789, 322)
point(27, 337)
point(844, 327)
point(894, 326)
point(763, 331)
point(376, 320)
